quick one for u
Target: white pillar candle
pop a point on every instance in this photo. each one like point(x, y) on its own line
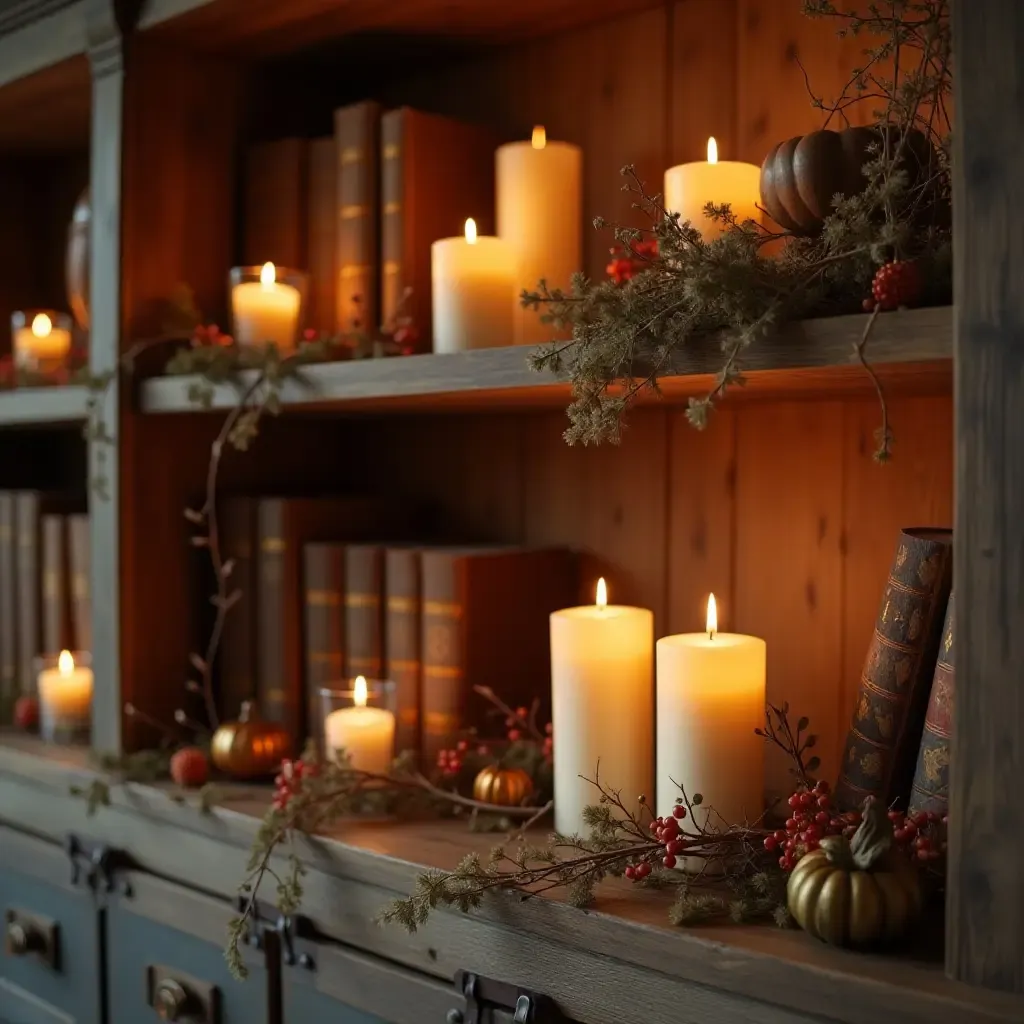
point(602, 697)
point(266, 311)
point(65, 699)
point(690, 187)
point(41, 344)
point(711, 693)
point(538, 186)
point(473, 289)
point(366, 735)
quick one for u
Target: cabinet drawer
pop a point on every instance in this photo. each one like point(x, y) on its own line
point(165, 945)
point(50, 958)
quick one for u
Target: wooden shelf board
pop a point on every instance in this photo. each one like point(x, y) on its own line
point(911, 352)
point(46, 406)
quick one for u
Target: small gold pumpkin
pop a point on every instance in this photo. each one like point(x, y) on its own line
point(504, 787)
point(856, 892)
point(250, 748)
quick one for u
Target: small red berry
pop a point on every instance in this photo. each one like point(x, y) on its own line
point(791, 824)
point(921, 818)
point(26, 713)
point(643, 870)
point(895, 815)
point(822, 787)
point(668, 860)
point(896, 284)
point(462, 746)
point(670, 828)
point(794, 801)
point(824, 802)
point(812, 834)
point(785, 863)
point(771, 843)
point(821, 818)
point(674, 847)
point(679, 811)
point(189, 767)
point(630, 872)
point(514, 735)
point(806, 799)
point(780, 836)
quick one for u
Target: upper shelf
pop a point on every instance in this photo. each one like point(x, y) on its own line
point(43, 407)
point(910, 351)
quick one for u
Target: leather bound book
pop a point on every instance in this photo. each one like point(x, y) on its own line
point(435, 173)
point(364, 611)
point(323, 581)
point(888, 718)
point(485, 623)
point(56, 592)
point(321, 235)
point(276, 179)
point(8, 603)
point(236, 664)
point(356, 214)
point(930, 791)
point(402, 609)
point(80, 561)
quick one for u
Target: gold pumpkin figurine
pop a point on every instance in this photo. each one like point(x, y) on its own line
point(250, 748)
point(503, 787)
point(856, 892)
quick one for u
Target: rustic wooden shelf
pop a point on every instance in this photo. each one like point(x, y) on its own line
point(45, 406)
point(37, 34)
point(910, 350)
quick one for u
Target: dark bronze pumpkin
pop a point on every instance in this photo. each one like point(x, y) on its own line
point(250, 748)
point(76, 267)
point(506, 787)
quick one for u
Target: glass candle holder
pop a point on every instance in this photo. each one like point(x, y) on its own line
point(41, 339)
point(267, 305)
point(360, 720)
point(65, 684)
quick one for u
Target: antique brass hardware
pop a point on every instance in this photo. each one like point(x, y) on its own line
point(170, 1000)
point(93, 865)
point(491, 1002)
point(178, 997)
point(28, 934)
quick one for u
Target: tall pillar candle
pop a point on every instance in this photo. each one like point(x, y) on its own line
point(473, 287)
point(711, 693)
point(538, 185)
point(690, 187)
point(602, 697)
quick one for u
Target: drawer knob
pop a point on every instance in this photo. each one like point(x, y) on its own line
point(21, 940)
point(171, 1000)
point(454, 1016)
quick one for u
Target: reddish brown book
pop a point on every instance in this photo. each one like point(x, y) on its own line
point(402, 665)
point(56, 592)
point(236, 666)
point(356, 214)
point(364, 611)
point(435, 174)
point(276, 180)
point(321, 235)
point(323, 581)
point(485, 623)
point(8, 603)
point(80, 559)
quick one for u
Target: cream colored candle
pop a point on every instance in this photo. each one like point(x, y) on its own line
point(690, 187)
point(65, 699)
point(41, 344)
point(367, 735)
point(602, 697)
point(266, 311)
point(540, 216)
point(473, 285)
point(711, 693)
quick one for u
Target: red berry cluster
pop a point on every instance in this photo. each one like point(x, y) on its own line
point(450, 761)
point(209, 335)
point(923, 834)
point(406, 337)
point(625, 263)
point(812, 817)
point(896, 284)
point(288, 782)
point(668, 832)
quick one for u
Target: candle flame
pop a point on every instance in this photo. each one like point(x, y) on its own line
point(471, 231)
point(65, 663)
point(712, 617)
point(712, 151)
point(41, 325)
point(601, 599)
point(360, 694)
point(268, 275)
point(540, 137)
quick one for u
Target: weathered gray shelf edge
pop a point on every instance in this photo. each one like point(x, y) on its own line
point(904, 338)
point(593, 964)
point(31, 43)
point(43, 406)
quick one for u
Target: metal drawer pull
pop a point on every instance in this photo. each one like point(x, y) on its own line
point(487, 999)
point(177, 997)
point(28, 934)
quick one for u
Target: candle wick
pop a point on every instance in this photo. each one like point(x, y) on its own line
point(711, 634)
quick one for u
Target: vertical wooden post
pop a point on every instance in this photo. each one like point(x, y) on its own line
point(985, 908)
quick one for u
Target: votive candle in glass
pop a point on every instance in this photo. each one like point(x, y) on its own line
point(41, 339)
point(360, 721)
point(65, 685)
point(267, 305)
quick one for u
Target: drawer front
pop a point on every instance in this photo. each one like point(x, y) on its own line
point(50, 959)
point(165, 955)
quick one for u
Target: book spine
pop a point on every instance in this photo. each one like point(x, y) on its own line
point(29, 589)
point(364, 613)
point(357, 132)
point(888, 717)
point(402, 665)
point(394, 273)
point(272, 685)
point(930, 791)
point(444, 671)
point(56, 596)
point(8, 603)
point(321, 235)
point(237, 666)
point(275, 203)
point(80, 563)
point(323, 581)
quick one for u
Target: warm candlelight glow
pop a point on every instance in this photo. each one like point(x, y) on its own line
point(540, 137)
point(41, 325)
point(66, 663)
point(712, 151)
point(360, 692)
point(712, 626)
point(268, 275)
point(471, 231)
point(602, 594)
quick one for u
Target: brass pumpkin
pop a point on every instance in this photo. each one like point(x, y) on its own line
point(76, 267)
point(505, 787)
point(250, 748)
point(856, 892)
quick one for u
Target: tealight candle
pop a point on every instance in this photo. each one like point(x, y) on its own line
point(365, 734)
point(690, 187)
point(41, 339)
point(65, 700)
point(267, 309)
point(602, 697)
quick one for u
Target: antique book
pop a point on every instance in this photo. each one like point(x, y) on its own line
point(321, 235)
point(323, 583)
point(80, 563)
point(435, 173)
point(276, 180)
point(364, 611)
point(8, 603)
point(888, 718)
point(485, 623)
point(930, 791)
point(56, 592)
point(236, 663)
point(356, 216)
point(402, 589)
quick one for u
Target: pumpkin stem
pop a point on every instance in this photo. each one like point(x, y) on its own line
point(837, 849)
point(873, 838)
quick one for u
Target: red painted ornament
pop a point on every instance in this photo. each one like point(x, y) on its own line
point(189, 767)
point(26, 713)
point(897, 284)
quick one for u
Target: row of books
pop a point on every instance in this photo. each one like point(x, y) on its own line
point(332, 588)
point(44, 585)
point(360, 209)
